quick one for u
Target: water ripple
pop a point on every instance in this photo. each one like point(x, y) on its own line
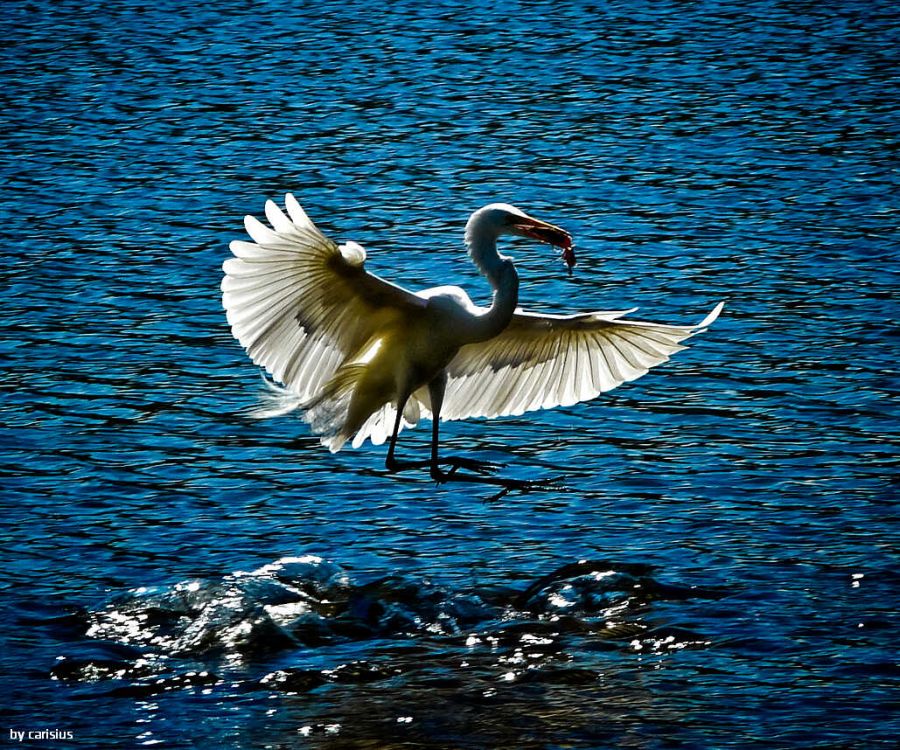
point(745, 152)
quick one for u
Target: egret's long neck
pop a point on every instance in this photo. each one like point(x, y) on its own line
point(503, 278)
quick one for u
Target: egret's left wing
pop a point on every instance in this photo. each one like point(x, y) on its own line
point(300, 304)
point(542, 361)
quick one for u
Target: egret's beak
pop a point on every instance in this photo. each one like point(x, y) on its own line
point(542, 232)
point(552, 235)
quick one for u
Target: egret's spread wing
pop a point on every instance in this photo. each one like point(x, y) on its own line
point(300, 304)
point(542, 361)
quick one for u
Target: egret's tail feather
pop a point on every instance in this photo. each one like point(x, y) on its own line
point(379, 426)
point(327, 413)
point(275, 401)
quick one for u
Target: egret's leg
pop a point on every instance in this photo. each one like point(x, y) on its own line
point(436, 391)
point(391, 463)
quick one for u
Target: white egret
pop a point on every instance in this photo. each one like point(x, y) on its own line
point(364, 358)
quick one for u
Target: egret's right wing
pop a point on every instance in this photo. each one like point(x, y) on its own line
point(542, 361)
point(299, 303)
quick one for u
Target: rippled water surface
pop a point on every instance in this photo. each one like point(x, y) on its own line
point(720, 569)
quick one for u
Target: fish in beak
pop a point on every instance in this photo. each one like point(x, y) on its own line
point(541, 231)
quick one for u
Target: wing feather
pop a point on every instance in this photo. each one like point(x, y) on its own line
point(300, 304)
point(542, 361)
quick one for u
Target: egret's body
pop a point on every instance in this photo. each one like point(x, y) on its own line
point(363, 358)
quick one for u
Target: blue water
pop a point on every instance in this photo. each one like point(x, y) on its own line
point(177, 575)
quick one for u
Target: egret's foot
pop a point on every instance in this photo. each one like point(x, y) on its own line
point(394, 466)
point(472, 464)
point(482, 474)
point(522, 485)
point(533, 485)
point(455, 463)
point(526, 485)
point(497, 495)
point(440, 476)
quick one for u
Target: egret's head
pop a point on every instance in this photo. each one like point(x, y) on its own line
point(502, 218)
